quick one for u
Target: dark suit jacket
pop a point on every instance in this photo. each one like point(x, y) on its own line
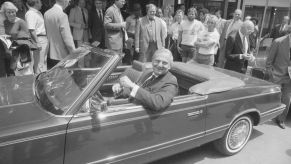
point(276, 33)
point(279, 59)
point(160, 92)
point(234, 47)
point(96, 27)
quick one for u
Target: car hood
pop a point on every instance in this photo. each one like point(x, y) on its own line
point(16, 90)
point(18, 107)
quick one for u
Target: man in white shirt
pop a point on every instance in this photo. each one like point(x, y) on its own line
point(188, 35)
point(35, 23)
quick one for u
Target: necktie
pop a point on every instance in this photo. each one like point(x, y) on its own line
point(244, 44)
point(100, 15)
point(84, 18)
point(148, 81)
point(281, 28)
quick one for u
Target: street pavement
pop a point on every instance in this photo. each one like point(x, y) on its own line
point(268, 144)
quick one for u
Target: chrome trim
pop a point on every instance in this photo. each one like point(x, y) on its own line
point(281, 107)
point(129, 119)
point(217, 129)
point(235, 99)
point(13, 105)
point(196, 113)
point(31, 138)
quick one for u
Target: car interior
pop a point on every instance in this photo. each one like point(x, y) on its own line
point(105, 95)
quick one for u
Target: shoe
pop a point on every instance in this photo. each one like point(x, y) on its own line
point(281, 124)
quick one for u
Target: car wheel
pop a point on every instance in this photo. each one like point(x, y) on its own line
point(236, 136)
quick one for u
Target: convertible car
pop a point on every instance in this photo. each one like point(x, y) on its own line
point(69, 115)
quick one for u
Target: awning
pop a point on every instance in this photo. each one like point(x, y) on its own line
point(273, 3)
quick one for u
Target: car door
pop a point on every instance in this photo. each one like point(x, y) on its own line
point(129, 133)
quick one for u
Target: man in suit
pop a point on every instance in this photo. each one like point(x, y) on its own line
point(149, 34)
point(280, 29)
point(237, 51)
point(156, 88)
point(96, 25)
point(278, 64)
point(59, 34)
point(231, 26)
point(114, 24)
point(78, 19)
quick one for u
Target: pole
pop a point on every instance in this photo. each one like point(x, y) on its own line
point(225, 9)
point(238, 4)
point(262, 26)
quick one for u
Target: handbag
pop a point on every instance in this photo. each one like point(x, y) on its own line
point(260, 73)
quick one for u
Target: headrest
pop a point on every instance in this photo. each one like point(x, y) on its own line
point(139, 66)
point(216, 85)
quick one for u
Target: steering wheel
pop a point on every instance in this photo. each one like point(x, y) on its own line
point(99, 95)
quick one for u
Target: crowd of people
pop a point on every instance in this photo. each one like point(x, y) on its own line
point(33, 41)
point(40, 39)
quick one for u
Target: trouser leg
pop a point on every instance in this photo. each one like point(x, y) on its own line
point(286, 94)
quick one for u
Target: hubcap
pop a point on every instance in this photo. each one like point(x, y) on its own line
point(238, 134)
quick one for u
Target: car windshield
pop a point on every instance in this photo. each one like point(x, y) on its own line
point(58, 88)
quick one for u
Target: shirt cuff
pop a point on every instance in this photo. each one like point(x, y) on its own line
point(240, 56)
point(134, 90)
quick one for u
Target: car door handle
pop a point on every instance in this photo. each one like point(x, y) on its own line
point(196, 113)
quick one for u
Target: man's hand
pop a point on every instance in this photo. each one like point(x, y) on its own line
point(95, 43)
point(126, 82)
point(269, 74)
point(123, 25)
point(116, 88)
point(249, 57)
point(179, 49)
point(79, 50)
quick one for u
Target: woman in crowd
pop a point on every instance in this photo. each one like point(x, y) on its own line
point(17, 28)
point(4, 52)
point(131, 22)
point(167, 17)
point(174, 33)
point(208, 42)
point(203, 15)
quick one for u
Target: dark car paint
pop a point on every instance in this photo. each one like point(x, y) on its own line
point(125, 133)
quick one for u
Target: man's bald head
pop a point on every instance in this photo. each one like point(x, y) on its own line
point(247, 27)
point(63, 3)
point(237, 14)
point(164, 52)
point(285, 20)
point(162, 61)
